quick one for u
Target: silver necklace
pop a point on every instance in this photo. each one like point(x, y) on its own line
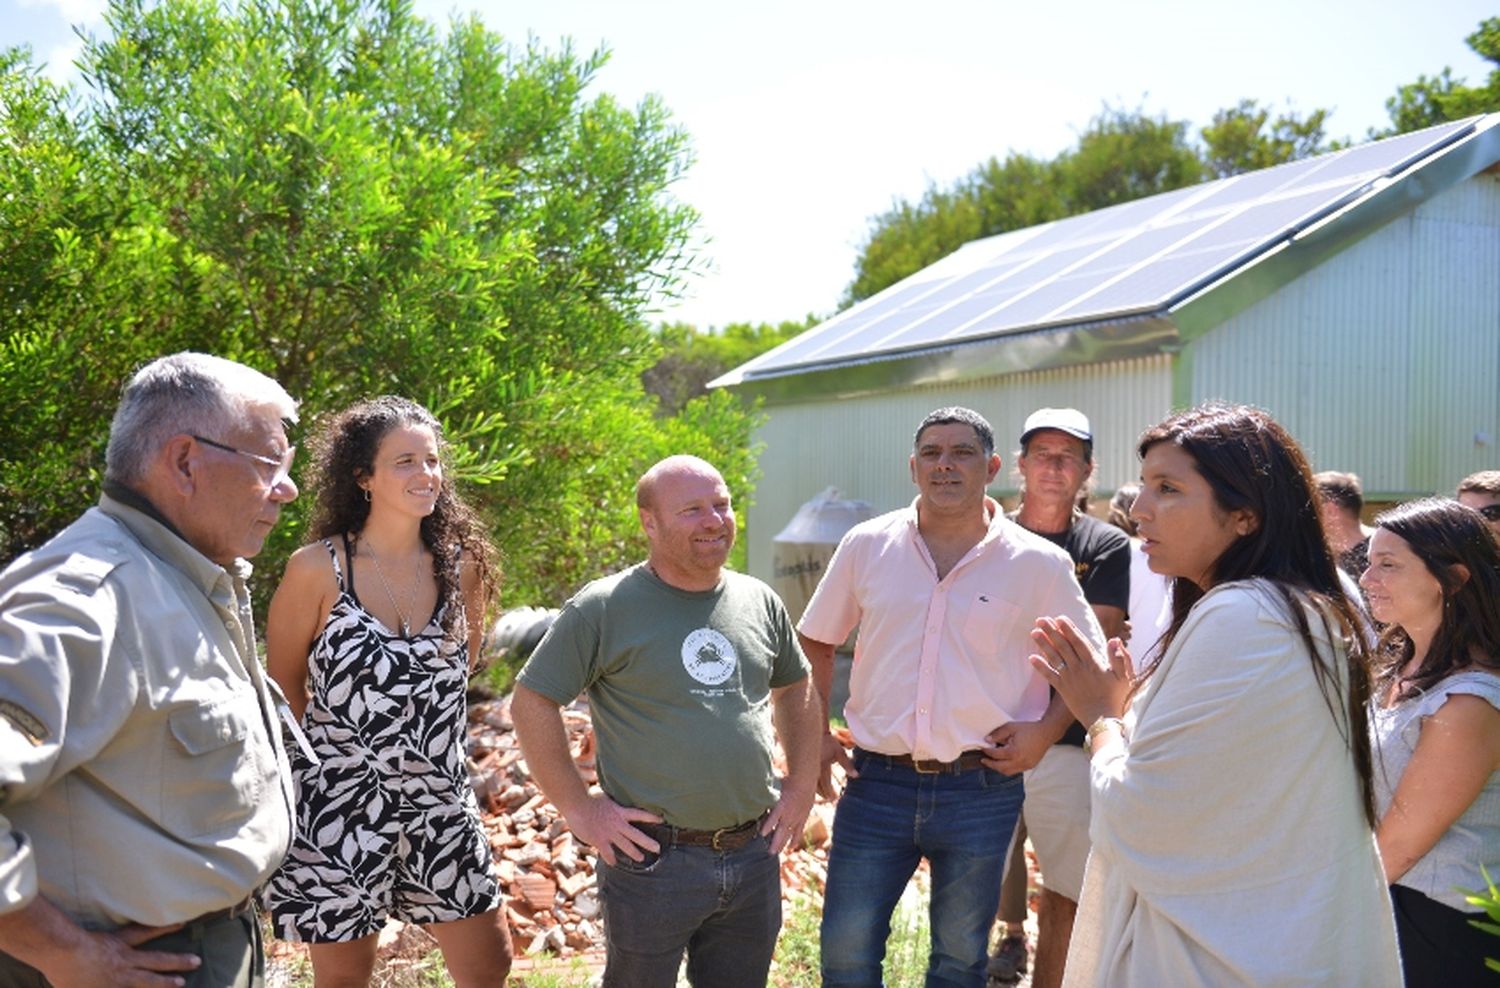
point(416, 583)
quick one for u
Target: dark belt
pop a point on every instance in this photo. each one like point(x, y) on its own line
point(966, 762)
point(235, 911)
point(724, 839)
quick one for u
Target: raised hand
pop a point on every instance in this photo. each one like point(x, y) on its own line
point(1091, 685)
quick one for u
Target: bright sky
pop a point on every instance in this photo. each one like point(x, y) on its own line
point(810, 117)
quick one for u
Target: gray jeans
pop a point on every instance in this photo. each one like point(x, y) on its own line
point(722, 908)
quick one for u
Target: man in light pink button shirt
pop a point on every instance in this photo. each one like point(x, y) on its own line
point(942, 701)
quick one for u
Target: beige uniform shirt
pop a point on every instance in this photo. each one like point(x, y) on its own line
point(142, 777)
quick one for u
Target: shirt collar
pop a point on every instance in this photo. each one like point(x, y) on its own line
point(162, 539)
point(993, 513)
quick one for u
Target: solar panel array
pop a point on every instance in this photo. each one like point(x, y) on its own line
point(1140, 256)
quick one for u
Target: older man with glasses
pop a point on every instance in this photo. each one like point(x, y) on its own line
point(143, 785)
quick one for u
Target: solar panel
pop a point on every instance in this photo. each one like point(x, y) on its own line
point(1138, 256)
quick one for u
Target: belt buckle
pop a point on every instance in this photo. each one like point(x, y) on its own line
point(718, 834)
point(937, 767)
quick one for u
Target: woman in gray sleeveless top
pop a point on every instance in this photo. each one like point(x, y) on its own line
point(1434, 581)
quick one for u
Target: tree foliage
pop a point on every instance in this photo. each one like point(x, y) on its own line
point(1122, 155)
point(1432, 100)
point(1245, 138)
point(343, 196)
point(691, 358)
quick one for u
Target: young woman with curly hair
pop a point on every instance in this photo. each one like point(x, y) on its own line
point(372, 634)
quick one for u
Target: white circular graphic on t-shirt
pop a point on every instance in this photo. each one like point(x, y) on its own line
point(708, 657)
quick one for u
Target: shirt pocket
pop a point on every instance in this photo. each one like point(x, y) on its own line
point(987, 618)
point(212, 776)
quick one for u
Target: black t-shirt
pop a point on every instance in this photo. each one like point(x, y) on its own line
point(1101, 562)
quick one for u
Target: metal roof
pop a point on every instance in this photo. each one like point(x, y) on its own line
point(1140, 277)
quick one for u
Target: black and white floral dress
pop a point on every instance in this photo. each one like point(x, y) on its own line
point(387, 821)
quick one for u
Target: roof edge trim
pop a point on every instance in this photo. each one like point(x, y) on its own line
point(1046, 349)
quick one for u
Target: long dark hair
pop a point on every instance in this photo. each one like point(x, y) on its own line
point(1445, 534)
point(1252, 464)
point(344, 453)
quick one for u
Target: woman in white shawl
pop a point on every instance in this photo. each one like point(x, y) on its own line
point(1232, 800)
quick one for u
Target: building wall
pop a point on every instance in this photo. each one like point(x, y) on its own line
point(1385, 360)
point(861, 445)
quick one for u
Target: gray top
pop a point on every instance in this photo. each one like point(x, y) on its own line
point(1474, 838)
point(679, 685)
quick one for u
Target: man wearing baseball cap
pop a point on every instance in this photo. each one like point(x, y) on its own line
point(1055, 463)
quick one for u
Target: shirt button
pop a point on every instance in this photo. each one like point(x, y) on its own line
point(231, 627)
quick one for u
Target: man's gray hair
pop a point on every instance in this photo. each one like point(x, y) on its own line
point(185, 393)
point(957, 414)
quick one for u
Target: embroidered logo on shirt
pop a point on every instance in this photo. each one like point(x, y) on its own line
point(708, 657)
point(31, 728)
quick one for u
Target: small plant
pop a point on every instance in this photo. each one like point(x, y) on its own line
point(1489, 901)
point(564, 974)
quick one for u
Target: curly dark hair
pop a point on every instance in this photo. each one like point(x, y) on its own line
point(1445, 534)
point(1251, 463)
point(344, 453)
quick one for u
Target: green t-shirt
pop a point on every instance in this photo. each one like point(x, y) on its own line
point(679, 686)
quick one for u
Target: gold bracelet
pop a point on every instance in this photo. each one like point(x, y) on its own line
point(1101, 725)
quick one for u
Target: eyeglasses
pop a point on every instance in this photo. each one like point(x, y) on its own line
point(1491, 512)
point(283, 466)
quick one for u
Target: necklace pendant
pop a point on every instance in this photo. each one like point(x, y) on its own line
point(405, 629)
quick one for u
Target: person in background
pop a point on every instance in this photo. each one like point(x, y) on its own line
point(944, 712)
point(142, 779)
point(1341, 498)
point(1233, 799)
point(1150, 593)
point(687, 666)
point(1481, 491)
point(1434, 582)
point(1056, 464)
point(372, 634)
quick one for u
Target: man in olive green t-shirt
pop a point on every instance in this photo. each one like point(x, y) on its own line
point(686, 665)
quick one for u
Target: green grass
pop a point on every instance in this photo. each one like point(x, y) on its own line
point(795, 964)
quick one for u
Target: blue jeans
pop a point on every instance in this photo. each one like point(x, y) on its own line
point(888, 819)
point(723, 908)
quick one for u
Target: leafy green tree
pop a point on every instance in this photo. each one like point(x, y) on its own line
point(1437, 99)
point(335, 192)
point(1125, 155)
point(1122, 155)
point(1244, 138)
point(690, 358)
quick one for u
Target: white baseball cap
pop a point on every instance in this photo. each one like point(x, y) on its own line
point(1069, 420)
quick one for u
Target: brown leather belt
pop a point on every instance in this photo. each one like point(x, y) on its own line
point(724, 839)
point(968, 761)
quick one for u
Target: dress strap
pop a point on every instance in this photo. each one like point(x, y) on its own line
point(338, 571)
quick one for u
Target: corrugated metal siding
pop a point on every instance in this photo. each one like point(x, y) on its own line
point(861, 445)
point(1386, 359)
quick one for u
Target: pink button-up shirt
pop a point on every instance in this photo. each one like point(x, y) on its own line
point(941, 663)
